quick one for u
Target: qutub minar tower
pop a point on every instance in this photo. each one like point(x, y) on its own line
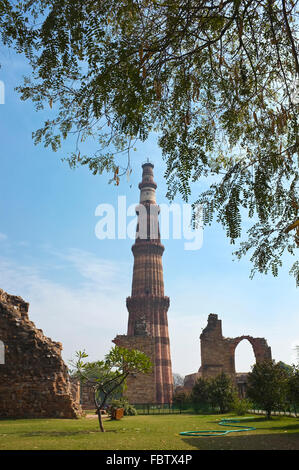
point(148, 306)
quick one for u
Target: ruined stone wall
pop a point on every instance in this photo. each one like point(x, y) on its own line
point(218, 353)
point(87, 397)
point(190, 380)
point(141, 388)
point(215, 354)
point(34, 381)
point(83, 393)
point(75, 389)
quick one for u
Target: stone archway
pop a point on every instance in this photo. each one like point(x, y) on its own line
point(218, 352)
point(244, 357)
point(260, 348)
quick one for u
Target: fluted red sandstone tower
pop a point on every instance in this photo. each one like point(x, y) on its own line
point(148, 306)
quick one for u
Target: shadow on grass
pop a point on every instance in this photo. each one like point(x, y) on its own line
point(60, 433)
point(269, 424)
point(248, 442)
point(242, 420)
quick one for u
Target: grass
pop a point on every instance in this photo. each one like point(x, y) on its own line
point(146, 433)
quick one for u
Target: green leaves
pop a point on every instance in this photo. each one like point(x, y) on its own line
point(217, 391)
point(214, 79)
point(128, 360)
point(119, 363)
point(268, 385)
point(108, 377)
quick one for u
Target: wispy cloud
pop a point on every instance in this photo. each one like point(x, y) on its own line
point(98, 271)
point(3, 237)
point(82, 317)
point(89, 313)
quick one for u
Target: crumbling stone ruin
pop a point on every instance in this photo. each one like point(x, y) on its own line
point(218, 354)
point(34, 381)
point(83, 393)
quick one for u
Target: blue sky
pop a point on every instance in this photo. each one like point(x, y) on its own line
point(77, 284)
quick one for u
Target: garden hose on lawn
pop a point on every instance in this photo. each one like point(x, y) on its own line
point(223, 422)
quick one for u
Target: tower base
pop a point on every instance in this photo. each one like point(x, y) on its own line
point(141, 388)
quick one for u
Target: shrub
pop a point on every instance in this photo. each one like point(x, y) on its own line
point(293, 387)
point(217, 392)
point(222, 392)
point(200, 391)
point(129, 410)
point(241, 406)
point(180, 398)
point(268, 385)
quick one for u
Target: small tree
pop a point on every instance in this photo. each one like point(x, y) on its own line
point(293, 388)
point(200, 391)
point(217, 391)
point(108, 377)
point(268, 385)
point(241, 406)
point(286, 367)
point(221, 392)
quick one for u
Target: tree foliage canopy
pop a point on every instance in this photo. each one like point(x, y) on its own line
point(201, 391)
point(293, 391)
point(268, 385)
point(215, 79)
point(217, 391)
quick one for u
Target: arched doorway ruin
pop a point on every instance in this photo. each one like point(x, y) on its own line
point(260, 348)
point(218, 352)
point(244, 357)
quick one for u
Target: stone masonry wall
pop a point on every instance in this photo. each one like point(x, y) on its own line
point(34, 381)
point(142, 387)
point(83, 393)
point(218, 352)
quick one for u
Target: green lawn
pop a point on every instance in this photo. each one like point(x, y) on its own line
point(146, 432)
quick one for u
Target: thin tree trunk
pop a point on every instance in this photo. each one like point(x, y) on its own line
point(98, 411)
point(100, 420)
